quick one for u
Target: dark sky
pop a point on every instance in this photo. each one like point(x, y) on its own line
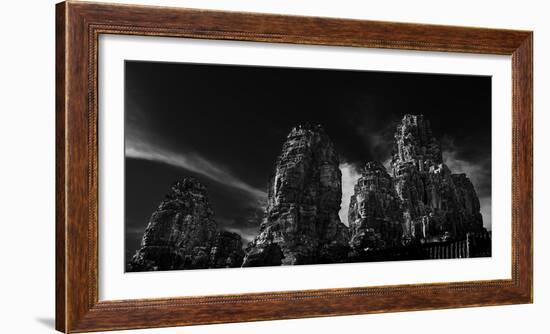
point(226, 124)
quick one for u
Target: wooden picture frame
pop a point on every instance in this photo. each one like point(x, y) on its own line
point(78, 26)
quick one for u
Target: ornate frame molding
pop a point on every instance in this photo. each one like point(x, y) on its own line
point(78, 27)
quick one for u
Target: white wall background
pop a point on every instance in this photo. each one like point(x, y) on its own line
point(27, 160)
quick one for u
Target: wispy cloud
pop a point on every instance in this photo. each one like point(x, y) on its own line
point(477, 173)
point(350, 175)
point(141, 149)
point(480, 175)
point(140, 145)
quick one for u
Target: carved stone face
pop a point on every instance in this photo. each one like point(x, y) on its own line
point(361, 206)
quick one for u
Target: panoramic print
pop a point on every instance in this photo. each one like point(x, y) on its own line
point(243, 166)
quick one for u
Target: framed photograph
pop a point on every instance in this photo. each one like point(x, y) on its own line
point(223, 167)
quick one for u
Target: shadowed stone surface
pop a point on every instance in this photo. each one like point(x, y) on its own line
point(436, 203)
point(304, 198)
point(227, 250)
point(418, 210)
point(182, 234)
point(375, 216)
point(422, 201)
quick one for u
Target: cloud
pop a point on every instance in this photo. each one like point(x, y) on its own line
point(377, 142)
point(141, 149)
point(374, 128)
point(134, 230)
point(247, 234)
point(387, 163)
point(479, 173)
point(486, 211)
point(350, 175)
point(138, 145)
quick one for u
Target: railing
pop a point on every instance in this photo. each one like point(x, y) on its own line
point(475, 245)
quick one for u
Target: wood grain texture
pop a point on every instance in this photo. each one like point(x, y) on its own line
point(60, 98)
point(78, 26)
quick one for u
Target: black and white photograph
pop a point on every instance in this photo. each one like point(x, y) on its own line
point(243, 166)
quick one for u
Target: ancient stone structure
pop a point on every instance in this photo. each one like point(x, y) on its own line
point(375, 217)
point(227, 250)
point(434, 204)
point(301, 225)
point(418, 210)
point(474, 245)
point(182, 234)
point(428, 201)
